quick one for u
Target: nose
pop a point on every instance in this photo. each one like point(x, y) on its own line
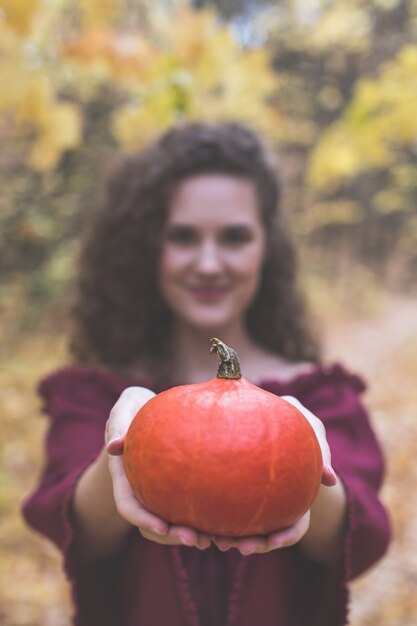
point(208, 259)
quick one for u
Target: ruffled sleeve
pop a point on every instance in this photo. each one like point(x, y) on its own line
point(77, 402)
point(334, 395)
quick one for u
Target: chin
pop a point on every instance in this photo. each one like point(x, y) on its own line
point(210, 323)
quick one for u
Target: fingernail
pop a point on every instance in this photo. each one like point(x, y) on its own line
point(245, 550)
point(186, 540)
point(115, 444)
point(158, 531)
point(221, 547)
point(189, 543)
point(331, 472)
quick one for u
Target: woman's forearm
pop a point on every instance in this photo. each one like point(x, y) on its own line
point(99, 529)
point(324, 539)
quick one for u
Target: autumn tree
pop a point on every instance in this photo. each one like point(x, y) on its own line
point(86, 79)
point(346, 74)
point(331, 84)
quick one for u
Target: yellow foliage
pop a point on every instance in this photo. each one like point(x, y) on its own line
point(380, 119)
point(27, 90)
point(187, 66)
point(334, 158)
point(388, 201)
point(37, 95)
point(321, 26)
point(118, 57)
point(19, 14)
point(341, 25)
point(96, 12)
point(134, 126)
point(200, 73)
point(31, 99)
point(336, 212)
point(196, 40)
point(59, 131)
point(404, 175)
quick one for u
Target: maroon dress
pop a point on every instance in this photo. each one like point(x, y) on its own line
point(147, 584)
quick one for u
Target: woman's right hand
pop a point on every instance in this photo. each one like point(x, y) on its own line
point(128, 506)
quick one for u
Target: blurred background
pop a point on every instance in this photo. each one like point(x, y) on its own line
point(333, 86)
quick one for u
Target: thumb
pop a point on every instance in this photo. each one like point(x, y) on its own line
point(130, 401)
point(329, 477)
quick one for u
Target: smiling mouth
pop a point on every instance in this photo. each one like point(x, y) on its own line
point(209, 292)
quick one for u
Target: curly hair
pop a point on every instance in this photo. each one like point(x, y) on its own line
point(118, 313)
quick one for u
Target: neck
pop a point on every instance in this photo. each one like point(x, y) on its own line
point(192, 361)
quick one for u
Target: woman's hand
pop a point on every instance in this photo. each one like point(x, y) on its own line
point(293, 534)
point(153, 527)
point(329, 477)
point(129, 507)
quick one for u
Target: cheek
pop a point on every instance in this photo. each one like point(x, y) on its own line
point(248, 265)
point(172, 263)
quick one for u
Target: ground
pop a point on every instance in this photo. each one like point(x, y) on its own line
point(383, 347)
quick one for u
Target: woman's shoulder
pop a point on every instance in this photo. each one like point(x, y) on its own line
point(329, 390)
point(79, 383)
point(78, 375)
point(305, 378)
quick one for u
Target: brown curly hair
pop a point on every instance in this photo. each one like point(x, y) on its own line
point(118, 313)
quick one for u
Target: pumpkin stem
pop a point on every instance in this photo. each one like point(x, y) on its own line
point(229, 363)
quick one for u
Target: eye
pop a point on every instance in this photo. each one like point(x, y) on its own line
point(181, 235)
point(237, 235)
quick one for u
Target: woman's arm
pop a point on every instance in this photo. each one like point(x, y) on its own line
point(104, 506)
point(99, 528)
point(323, 540)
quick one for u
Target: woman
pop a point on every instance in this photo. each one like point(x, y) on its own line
point(188, 243)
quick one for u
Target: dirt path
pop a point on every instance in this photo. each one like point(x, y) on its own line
point(383, 348)
point(370, 344)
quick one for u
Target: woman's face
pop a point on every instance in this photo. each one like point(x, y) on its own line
point(213, 251)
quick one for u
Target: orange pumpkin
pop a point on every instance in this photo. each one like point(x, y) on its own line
point(224, 456)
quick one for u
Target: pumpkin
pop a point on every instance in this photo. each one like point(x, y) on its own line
point(223, 456)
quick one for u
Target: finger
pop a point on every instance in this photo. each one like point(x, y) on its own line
point(329, 477)
point(162, 539)
point(291, 535)
point(190, 536)
point(223, 543)
point(130, 401)
point(203, 541)
point(251, 545)
point(317, 424)
point(245, 545)
point(265, 543)
point(178, 535)
point(128, 506)
point(184, 534)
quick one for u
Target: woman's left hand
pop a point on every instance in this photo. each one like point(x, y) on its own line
point(292, 534)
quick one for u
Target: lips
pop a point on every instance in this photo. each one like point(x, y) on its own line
point(209, 293)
